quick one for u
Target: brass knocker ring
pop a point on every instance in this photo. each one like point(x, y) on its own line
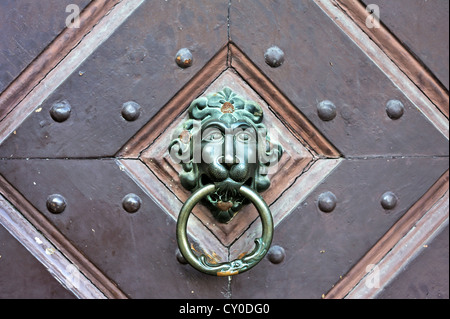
point(238, 265)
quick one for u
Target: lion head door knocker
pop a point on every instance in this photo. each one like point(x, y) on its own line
point(225, 152)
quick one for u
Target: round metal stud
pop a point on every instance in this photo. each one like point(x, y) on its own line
point(276, 254)
point(184, 58)
point(395, 109)
point(388, 200)
point(274, 56)
point(131, 203)
point(60, 111)
point(326, 110)
point(327, 202)
point(56, 204)
point(131, 111)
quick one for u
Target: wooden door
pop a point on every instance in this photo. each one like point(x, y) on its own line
point(89, 103)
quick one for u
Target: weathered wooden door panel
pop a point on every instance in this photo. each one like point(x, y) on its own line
point(137, 251)
point(427, 40)
point(135, 64)
point(98, 155)
point(324, 64)
point(321, 248)
point(27, 28)
point(23, 276)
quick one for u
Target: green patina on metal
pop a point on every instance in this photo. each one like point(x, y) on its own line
point(225, 152)
point(236, 266)
point(225, 143)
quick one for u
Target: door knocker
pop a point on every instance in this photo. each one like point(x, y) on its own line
point(225, 152)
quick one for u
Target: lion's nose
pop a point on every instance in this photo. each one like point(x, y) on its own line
point(229, 150)
point(228, 162)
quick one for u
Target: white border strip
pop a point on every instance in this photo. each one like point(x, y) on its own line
point(408, 248)
point(57, 264)
point(99, 34)
point(66, 272)
point(386, 65)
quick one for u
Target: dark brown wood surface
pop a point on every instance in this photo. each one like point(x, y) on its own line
point(80, 158)
point(24, 277)
point(422, 26)
point(136, 251)
point(324, 64)
point(426, 277)
point(28, 26)
point(321, 248)
point(136, 64)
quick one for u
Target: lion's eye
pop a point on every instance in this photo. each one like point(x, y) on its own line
point(244, 137)
point(214, 136)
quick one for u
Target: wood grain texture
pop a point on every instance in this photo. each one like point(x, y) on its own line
point(28, 27)
point(128, 255)
point(54, 52)
point(31, 223)
point(322, 247)
point(286, 111)
point(21, 275)
point(427, 276)
point(406, 60)
point(391, 238)
point(137, 63)
point(325, 63)
point(422, 27)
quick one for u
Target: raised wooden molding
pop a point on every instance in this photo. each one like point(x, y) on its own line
point(179, 103)
point(286, 111)
point(26, 223)
point(423, 218)
point(396, 70)
point(97, 22)
point(66, 41)
point(60, 59)
point(296, 158)
point(402, 57)
point(400, 244)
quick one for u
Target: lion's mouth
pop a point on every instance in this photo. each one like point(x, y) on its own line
point(226, 199)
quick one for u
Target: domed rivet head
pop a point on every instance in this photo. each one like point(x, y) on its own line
point(395, 109)
point(184, 58)
point(56, 204)
point(60, 111)
point(327, 202)
point(388, 200)
point(131, 203)
point(276, 254)
point(274, 56)
point(131, 111)
point(326, 110)
point(180, 258)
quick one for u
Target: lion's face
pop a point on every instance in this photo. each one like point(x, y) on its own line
point(227, 146)
point(229, 154)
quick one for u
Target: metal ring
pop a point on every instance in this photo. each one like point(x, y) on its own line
point(238, 265)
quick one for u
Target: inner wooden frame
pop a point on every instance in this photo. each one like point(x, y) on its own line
point(302, 142)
